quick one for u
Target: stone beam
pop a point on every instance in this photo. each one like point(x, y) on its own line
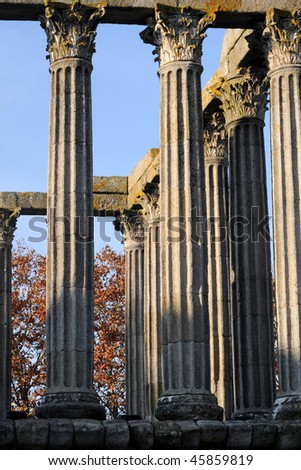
point(109, 195)
point(29, 203)
point(146, 171)
point(230, 13)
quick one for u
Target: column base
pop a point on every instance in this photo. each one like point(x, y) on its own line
point(188, 406)
point(71, 405)
point(287, 408)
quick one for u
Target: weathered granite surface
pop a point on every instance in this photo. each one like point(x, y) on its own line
point(119, 434)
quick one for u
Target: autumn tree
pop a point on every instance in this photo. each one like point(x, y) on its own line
point(29, 328)
point(109, 357)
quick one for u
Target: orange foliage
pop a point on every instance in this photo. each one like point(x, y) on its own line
point(29, 316)
point(109, 355)
point(29, 331)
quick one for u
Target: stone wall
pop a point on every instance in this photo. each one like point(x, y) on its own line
point(119, 434)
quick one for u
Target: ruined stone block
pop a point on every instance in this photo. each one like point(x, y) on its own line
point(60, 434)
point(88, 434)
point(264, 436)
point(168, 435)
point(191, 434)
point(289, 436)
point(141, 434)
point(117, 435)
point(240, 435)
point(32, 433)
point(214, 434)
point(7, 433)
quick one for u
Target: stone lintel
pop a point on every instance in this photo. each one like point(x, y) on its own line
point(230, 13)
point(30, 203)
point(109, 205)
point(146, 171)
point(110, 184)
point(110, 196)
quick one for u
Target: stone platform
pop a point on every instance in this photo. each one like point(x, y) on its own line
point(140, 434)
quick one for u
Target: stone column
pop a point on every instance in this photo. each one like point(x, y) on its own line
point(133, 239)
point(152, 321)
point(283, 38)
point(217, 199)
point(186, 394)
point(7, 227)
point(70, 253)
point(244, 99)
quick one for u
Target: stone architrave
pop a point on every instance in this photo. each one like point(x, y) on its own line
point(150, 212)
point(70, 33)
point(131, 226)
point(217, 200)
point(282, 37)
point(186, 394)
point(244, 98)
point(8, 221)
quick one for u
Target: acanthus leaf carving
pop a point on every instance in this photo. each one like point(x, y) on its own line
point(150, 203)
point(130, 224)
point(215, 137)
point(8, 224)
point(71, 31)
point(178, 36)
point(282, 37)
point(244, 94)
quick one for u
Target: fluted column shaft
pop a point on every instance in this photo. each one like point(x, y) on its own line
point(152, 320)
point(284, 44)
point(244, 104)
point(216, 174)
point(70, 250)
point(7, 228)
point(133, 240)
point(183, 253)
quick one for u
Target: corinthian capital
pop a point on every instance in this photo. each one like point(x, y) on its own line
point(130, 224)
point(71, 31)
point(8, 222)
point(243, 95)
point(177, 35)
point(150, 203)
point(282, 36)
point(215, 137)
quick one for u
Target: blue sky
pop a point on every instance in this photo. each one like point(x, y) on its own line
point(125, 93)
